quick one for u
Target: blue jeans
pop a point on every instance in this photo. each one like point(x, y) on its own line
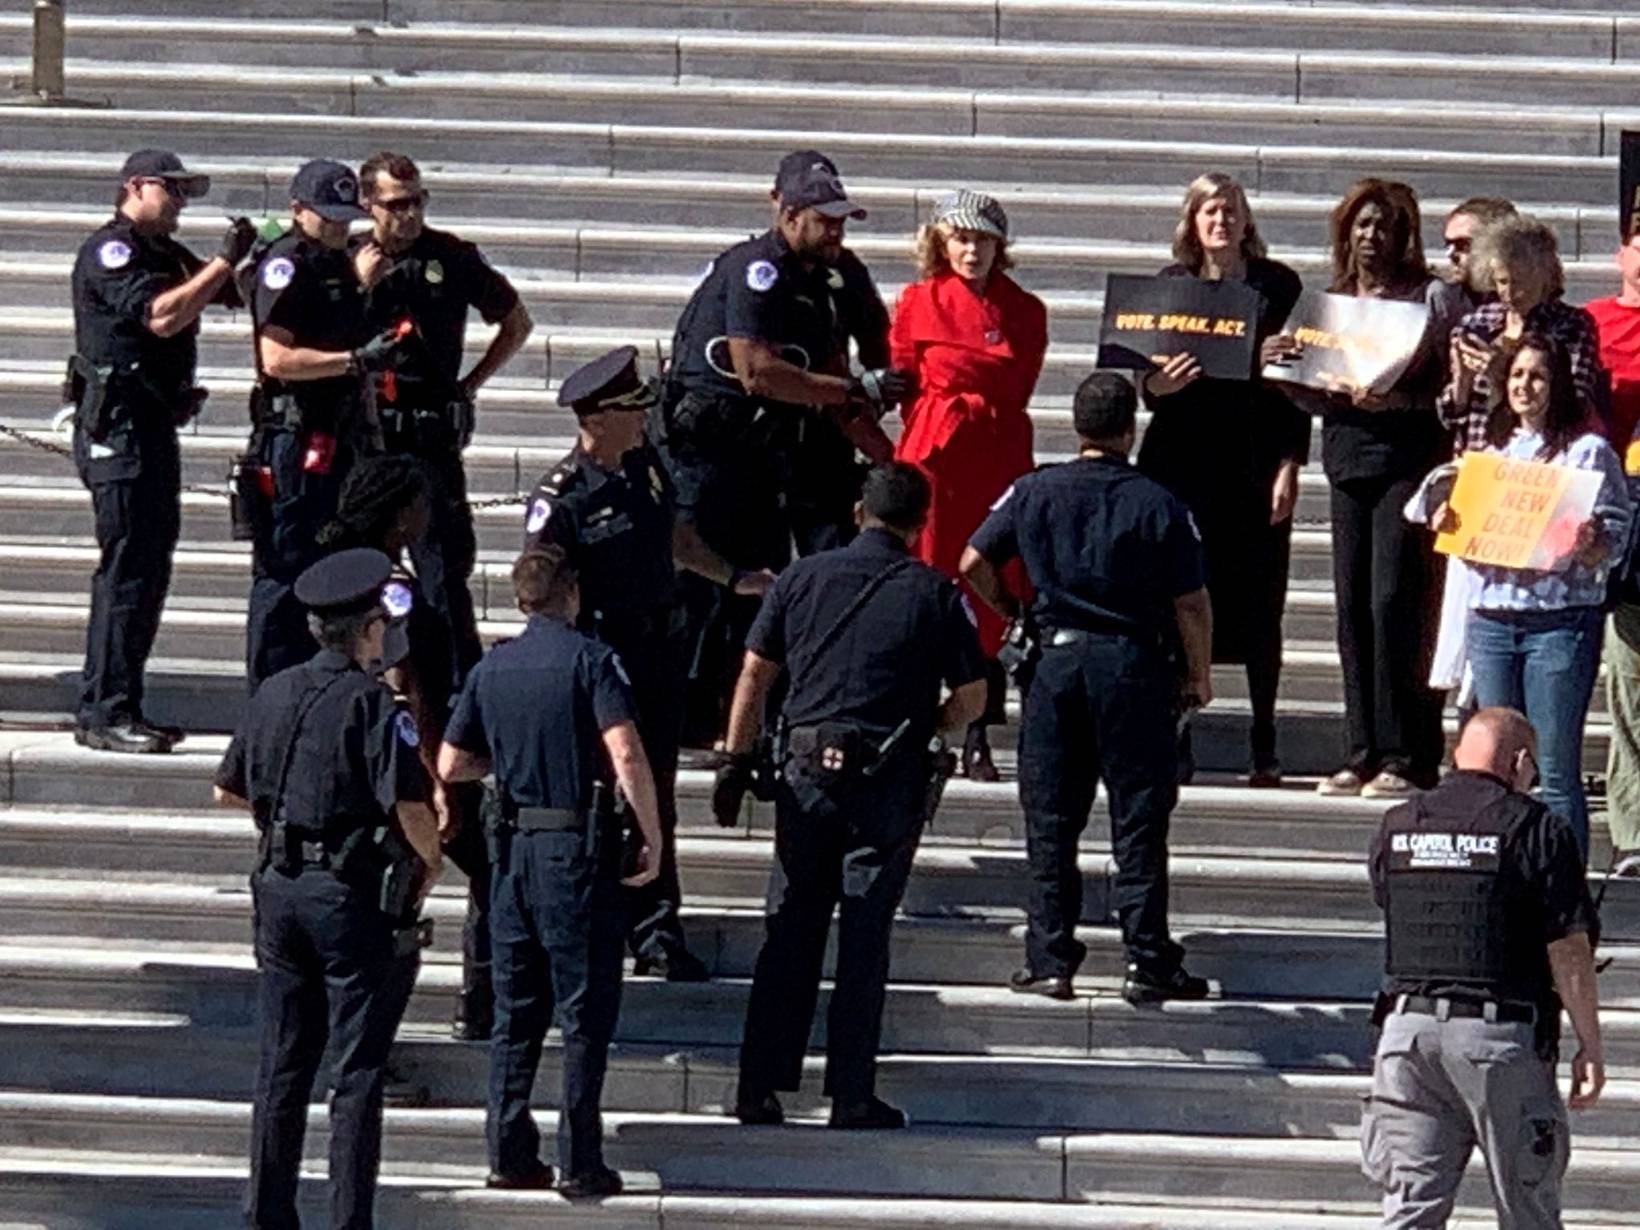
point(1543, 663)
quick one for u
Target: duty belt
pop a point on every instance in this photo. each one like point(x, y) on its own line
point(547, 820)
point(1442, 1008)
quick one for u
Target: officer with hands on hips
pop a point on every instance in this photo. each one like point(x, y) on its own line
point(412, 271)
point(868, 635)
point(138, 295)
point(610, 505)
point(313, 410)
point(1116, 565)
point(326, 760)
point(551, 714)
point(825, 474)
point(1489, 932)
point(756, 346)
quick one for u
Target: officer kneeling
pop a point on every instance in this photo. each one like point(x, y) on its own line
point(1489, 931)
point(867, 635)
point(552, 714)
point(326, 761)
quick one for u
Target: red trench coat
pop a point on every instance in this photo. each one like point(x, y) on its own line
point(977, 360)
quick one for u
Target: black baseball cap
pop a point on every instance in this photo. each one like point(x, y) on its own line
point(329, 189)
point(163, 164)
point(808, 180)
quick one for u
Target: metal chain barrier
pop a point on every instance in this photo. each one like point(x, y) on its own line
point(518, 498)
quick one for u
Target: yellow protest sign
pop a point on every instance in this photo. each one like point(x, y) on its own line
point(1517, 514)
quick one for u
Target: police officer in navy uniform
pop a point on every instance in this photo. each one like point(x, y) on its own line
point(138, 295)
point(1116, 566)
point(551, 714)
point(313, 410)
point(868, 636)
point(1489, 932)
point(326, 760)
point(825, 469)
point(609, 504)
point(756, 344)
point(415, 272)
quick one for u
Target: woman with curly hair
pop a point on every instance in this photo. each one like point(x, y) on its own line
point(976, 341)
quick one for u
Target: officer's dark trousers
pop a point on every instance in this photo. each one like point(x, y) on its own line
point(1101, 709)
point(655, 665)
point(445, 555)
point(135, 499)
point(469, 851)
point(1388, 603)
point(850, 848)
point(328, 973)
point(556, 935)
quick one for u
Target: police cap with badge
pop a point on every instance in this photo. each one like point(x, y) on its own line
point(609, 382)
point(356, 581)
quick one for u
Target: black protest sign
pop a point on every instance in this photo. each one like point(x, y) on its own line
point(1628, 188)
point(1149, 320)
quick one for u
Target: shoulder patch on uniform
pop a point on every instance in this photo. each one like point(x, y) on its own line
point(761, 276)
point(405, 726)
point(277, 273)
point(397, 599)
point(1004, 497)
point(114, 254)
point(540, 511)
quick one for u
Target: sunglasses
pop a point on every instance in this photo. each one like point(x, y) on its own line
point(170, 188)
point(1458, 245)
point(402, 204)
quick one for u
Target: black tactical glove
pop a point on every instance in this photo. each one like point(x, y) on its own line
point(237, 241)
point(380, 352)
point(883, 387)
point(734, 779)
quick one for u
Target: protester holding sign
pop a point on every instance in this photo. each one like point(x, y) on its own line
point(975, 341)
point(1376, 447)
point(1519, 259)
point(1232, 450)
point(1534, 632)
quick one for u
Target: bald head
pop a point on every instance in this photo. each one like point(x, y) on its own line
point(1492, 742)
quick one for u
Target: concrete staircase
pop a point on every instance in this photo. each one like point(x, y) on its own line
point(602, 151)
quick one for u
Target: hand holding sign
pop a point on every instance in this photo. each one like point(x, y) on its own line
point(1175, 374)
point(1355, 346)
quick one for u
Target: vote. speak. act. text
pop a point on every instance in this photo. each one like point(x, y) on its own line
point(1178, 322)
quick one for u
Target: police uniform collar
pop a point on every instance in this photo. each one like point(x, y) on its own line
point(332, 661)
point(1481, 776)
point(877, 538)
point(546, 623)
point(1106, 456)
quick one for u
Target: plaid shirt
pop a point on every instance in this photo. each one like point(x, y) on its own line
point(1494, 588)
point(1571, 326)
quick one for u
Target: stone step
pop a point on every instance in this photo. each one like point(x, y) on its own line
point(750, 152)
point(216, 987)
point(999, 108)
point(47, 180)
point(91, 1190)
point(698, 1152)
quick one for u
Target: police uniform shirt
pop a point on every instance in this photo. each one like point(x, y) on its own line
point(118, 274)
point(355, 756)
point(758, 290)
point(537, 706)
point(1105, 548)
point(616, 528)
point(888, 662)
point(313, 293)
point(434, 282)
point(1536, 854)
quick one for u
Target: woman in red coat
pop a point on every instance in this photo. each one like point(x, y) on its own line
point(975, 341)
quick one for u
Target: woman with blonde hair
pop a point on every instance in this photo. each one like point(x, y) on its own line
point(976, 341)
point(1232, 450)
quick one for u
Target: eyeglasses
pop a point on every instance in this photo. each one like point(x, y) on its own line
point(1456, 244)
point(402, 204)
point(171, 188)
